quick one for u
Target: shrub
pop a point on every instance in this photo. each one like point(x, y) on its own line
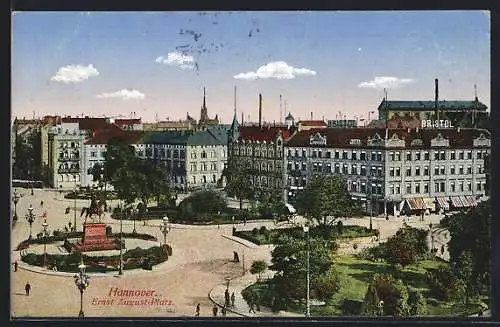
point(327, 285)
point(255, 231)
point(441, 282)
point(258, 267)
point(417, 303)
point(393, 293)
point(351, 307)
point(407, 246)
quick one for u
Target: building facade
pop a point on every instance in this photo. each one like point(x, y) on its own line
point(394, 171)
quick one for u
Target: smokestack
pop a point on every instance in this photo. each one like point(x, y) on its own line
point(242, 118)
point(260, 110)
point(311, 115)
point(436, 98)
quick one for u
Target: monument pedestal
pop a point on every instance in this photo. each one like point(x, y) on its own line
point(94, 238)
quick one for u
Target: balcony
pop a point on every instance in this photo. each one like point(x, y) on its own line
point(68, 170)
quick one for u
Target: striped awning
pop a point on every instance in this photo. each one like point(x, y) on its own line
point(472, 200)
point(455, 201)
point(416, 203)
point(429, 203)
point(443, 202)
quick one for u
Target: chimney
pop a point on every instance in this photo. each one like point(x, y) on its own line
point(311, 115)
point(260, 110)
point(436, 94)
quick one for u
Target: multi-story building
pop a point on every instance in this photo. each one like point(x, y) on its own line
point(65, 145)
point(172, 125)
point(193, 159)
point(134, 124)
point(304, 125)
point(342, 123)
point(459, 112)
point(394, 171)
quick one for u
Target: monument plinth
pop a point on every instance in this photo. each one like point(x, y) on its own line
point(94, 238)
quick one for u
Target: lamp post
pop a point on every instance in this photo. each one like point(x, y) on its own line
point(371, 202)
point(165, 228)
point(432, 238)
point(308, 303)
point(30, 216)
point(15, 199)
point(134, 214)
point(74, 194)
point(232, 218)
point(120, 270)
point(81, 282)
point(44, 225)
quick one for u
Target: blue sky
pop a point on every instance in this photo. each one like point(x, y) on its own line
point(156, 64)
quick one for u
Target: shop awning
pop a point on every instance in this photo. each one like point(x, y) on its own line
point(416, 203)
point(464, 201)
point(443, 202)
point(472, 200)
point(455, 202)
point(430, 204)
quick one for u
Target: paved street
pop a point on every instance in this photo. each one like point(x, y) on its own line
point(201, 262)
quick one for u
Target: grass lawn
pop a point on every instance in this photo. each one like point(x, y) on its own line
point(263, 237)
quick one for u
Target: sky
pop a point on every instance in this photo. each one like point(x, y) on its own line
point(154, 65)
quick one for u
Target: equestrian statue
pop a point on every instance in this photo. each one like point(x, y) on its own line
point(96, 208)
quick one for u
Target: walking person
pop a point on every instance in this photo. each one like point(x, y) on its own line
point(15, 265)
point(27, 288)
point(224, 311)
point(442, 249)
point(232, 299)
point(214, 310)
point(226, 297)
point(197, 310)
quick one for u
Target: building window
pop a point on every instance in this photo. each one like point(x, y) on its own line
point(328, 154)
point(398, 171)
point(461, 170)
point(374, 189)
point(469, 169)
point(319, 154)
point(315, 153)
point(398, 156)
point(204, 179)
point(379, 189)
point(479, 155)
point(363, 170)
point(417, 171)
point(373, 171)
point(436, 155)
point(354, 155)
point(391, 156)
point(469, 186)
point(417, 188)
point(362, 155)
point(296, 152)
point(344, 155)
point(452, 170)
point(461, 155)
point(469, 155)
point(478, 186)
point(408, 171)
point(426, 188)
point(289, 153)
point(442, 155)
point(379, 156)
point(442, 187)
point(345, 169)
point(408, 156)
point(417, 155)
point(337, 168)
point(426, 155)
point(442, 170)
point(408, 188)
point(391, 172)
point(304, 153)
point(379, 171)
point(391, 188)
point(363, 187)
point(93, 154)
point(479, 169)
point(337, 154)
point(452, 187)
point(426, 171)
point(452, 155)
point(354, 170)
point(398, 189)
point(374, 156)
point(436, 170)
point(461, 184)
point(203, 154)
point(436, 187)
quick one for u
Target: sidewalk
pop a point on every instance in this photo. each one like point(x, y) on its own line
point(241, 307)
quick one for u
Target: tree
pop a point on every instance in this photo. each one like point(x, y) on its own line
point(239, 181)
point(118, 155)
point(392, 292)
point(471, 233)
point(417, 303)
point(371, 302)
point(406, 247)
point(326, 285)
point(325, 196)
point(202, 205)
point(258, 267)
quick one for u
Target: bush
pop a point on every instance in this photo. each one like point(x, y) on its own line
point(327, 285)
point(351, 307)
point(393, 293)
point(255, 231)
point(417, 303)
point(109, 230)
point(407, 246)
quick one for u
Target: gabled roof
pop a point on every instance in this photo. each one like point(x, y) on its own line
point(165, 137)
point(312, 123)
point(341, 137)
point(127, 121)
point(102, 136)
point(430, 105)
point(266, 133)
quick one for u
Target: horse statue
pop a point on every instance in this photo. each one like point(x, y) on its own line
point(96, 208)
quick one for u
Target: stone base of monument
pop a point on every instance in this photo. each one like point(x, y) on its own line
point(94, 238)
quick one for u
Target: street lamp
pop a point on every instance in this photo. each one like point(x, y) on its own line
point(371, 202)
point(308, 303)
point(165, 228)
point(134, 213)
point(81, 282)
point(432, 238)
point(74, 194)
point(30, 216)
point(15, 199)
point(232, 218)
point(44, 225)
point(120, 270)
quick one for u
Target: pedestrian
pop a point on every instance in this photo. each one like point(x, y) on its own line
point(69, 224)
point(197, 310)
point(224, 311)
point(232, 299)
point(442, 249)
point(41, 203)
point(215, 309)
point(27, 288)
point(15, 265)
point(252, 310)
point(226, 297)
point(32, 191)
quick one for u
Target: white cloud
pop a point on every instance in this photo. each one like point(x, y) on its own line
point(385, 82)
point(124, 94)
point(177, 59)
point(277, 70)
point(74, 73)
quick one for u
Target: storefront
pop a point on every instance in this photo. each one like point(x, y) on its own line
point(463, 201)
point(430, 205)
point(443, 204)
point(415, 206)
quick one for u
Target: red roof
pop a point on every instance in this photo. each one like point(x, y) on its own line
point(313, 123)
point(266, 133)
point(127, 121)
point(341, 137)
point(102, 136)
